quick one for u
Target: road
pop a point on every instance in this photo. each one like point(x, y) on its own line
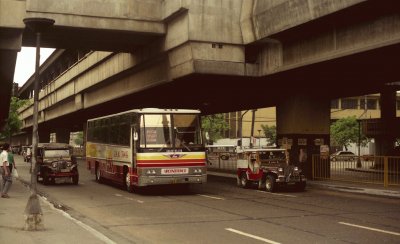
point(220, 212)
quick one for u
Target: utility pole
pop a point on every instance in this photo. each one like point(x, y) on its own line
point(33, 211)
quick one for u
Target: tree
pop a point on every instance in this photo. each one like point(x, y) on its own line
point(79, 139)
point(270, 134)
point(13, 123)
point(215, 125)
point(346, 131)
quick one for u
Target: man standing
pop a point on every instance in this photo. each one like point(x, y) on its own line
point(5, 171)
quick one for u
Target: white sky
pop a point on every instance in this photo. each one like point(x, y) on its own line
point(25, 66)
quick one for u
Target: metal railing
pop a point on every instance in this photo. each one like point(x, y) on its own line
point(375, 170)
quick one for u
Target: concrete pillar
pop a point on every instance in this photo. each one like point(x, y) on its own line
point(385, 142)
point(303, 121)
point(62, 135)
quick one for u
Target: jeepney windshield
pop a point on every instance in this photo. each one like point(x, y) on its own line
point(180, 131)
point(268, 156)
point(56, 153)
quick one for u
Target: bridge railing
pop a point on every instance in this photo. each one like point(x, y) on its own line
point(384, 170)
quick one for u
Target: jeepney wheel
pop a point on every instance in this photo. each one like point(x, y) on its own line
point(243, 180)
point(98, 174)
point(301, 186)
point(270, 183)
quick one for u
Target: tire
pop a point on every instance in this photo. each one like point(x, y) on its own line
point(270, 185)
point(301, 186)
point(46, 179)
point(243, 182)
point(129, 187)
point(98, 174)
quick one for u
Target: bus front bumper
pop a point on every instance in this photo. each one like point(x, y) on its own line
point(175, 179)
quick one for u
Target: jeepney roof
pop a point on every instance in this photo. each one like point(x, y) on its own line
point(221, 146)
point(264, 150)
point(54, 145)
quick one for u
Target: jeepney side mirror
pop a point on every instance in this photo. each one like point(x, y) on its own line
point(135, 136)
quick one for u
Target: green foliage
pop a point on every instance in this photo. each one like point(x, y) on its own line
point(13, 123)
point(79, 138)
point(215, 125)
point(346, 131)
point(270, 134)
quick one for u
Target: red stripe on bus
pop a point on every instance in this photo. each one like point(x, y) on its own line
point(144, 165)
point(170, 160)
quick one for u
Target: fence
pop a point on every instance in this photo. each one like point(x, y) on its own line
point(376, 170)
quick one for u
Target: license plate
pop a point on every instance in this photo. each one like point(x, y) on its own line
point(175, 171)
point(65, 170)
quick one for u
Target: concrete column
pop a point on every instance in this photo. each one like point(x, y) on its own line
point(385, 142)
point(62, 135)
point(303, 121)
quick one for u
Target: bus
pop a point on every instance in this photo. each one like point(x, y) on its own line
point(149, 146)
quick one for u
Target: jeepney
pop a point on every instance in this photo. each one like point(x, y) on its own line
point(268, 168)
point(56, 163)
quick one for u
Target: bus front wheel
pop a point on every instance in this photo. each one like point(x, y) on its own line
point(98, 174)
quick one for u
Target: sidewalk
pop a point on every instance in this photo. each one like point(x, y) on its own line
point(59, 227)
point(376, 190)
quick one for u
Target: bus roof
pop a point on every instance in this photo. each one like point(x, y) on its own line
point(153, 111)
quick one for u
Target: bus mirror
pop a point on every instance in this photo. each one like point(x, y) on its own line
point(207, 136)
point(135, 136)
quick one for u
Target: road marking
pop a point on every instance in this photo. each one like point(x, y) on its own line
point(217, 198)
point(369, 228)
point(132, 199)
point(252, 236)
point(278, 194)
point(118, 195)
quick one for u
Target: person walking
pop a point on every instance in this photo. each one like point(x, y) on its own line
point(5, 171)
point(11, 162)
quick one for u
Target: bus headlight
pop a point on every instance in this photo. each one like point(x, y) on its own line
point(197, 171)
point(280, 169)
point(54, 164)
point(296, 169)
point(151, 172)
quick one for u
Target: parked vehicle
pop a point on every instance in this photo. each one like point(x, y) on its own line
point(55, 162)
point(343, 156)
point(268, 168)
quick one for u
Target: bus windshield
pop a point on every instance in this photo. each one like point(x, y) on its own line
point(179, 131)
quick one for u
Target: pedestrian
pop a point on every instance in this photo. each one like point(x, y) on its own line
point(11, 162)
point(5, 171)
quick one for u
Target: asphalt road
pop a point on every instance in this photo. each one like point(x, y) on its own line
point(220, 212)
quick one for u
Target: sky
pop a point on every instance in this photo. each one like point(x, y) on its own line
point(25, 66)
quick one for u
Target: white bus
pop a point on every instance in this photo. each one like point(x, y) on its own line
point(145, 147)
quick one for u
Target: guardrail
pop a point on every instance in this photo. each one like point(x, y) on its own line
point(375, 170)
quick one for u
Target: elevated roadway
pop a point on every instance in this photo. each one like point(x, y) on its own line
point(217, 56)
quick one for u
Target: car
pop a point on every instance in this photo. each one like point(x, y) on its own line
point(56, 162)
point(343, 156)
point(268, 168)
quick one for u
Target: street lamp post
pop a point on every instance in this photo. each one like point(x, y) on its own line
point(359, 144)
point(33, 211)
point(259, 138)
